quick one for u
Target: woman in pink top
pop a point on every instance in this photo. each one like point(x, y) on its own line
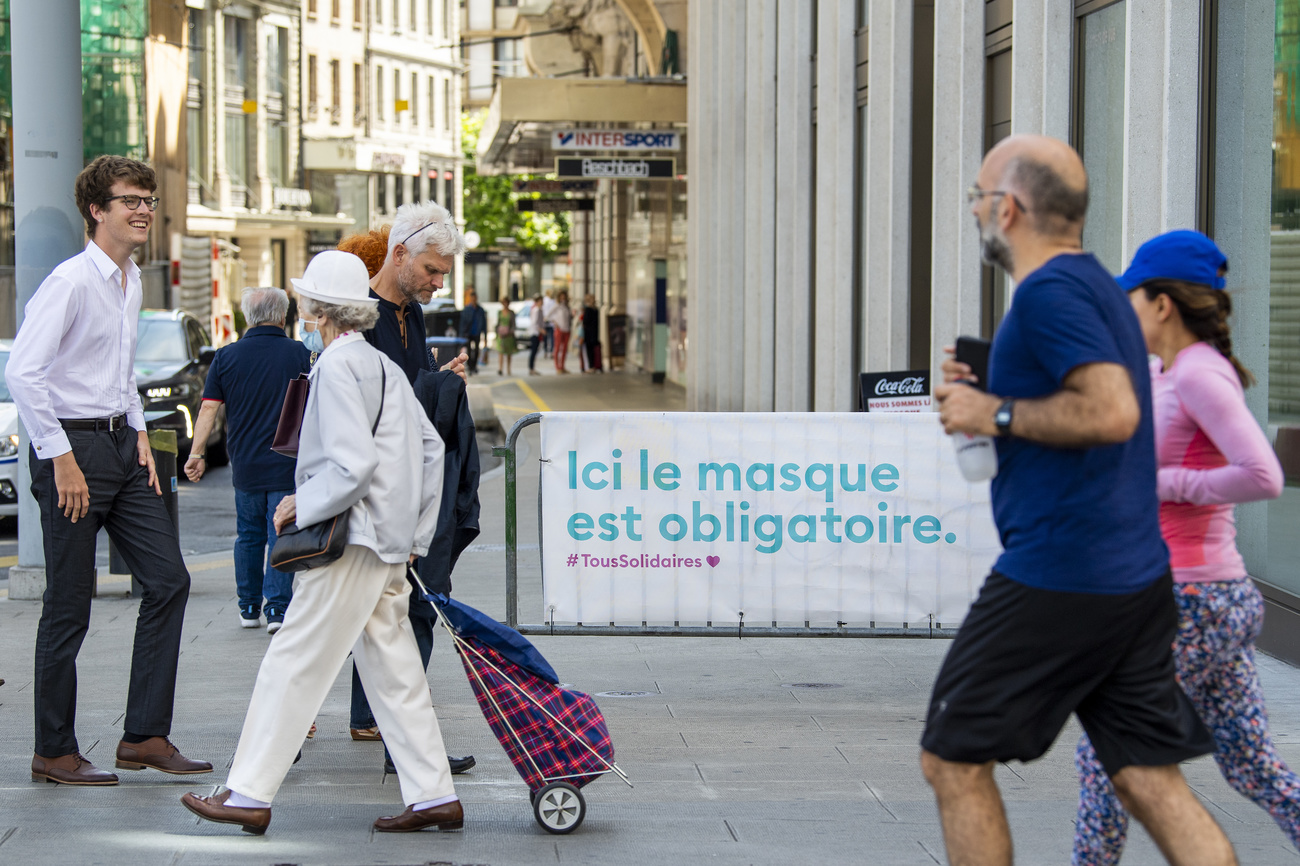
point(1211, 454)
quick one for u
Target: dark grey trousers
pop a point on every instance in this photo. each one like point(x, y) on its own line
point(136, 519)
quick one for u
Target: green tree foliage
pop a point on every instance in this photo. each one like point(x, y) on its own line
point(490, 207)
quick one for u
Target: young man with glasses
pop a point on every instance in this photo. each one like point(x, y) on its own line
point(71, 377)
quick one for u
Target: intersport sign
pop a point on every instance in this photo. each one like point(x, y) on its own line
point(614, 139)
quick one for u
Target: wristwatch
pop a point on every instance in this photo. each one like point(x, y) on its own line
point(1002, 417)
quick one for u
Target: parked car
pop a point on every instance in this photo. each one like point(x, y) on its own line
point(8, 441)
point(172, 356)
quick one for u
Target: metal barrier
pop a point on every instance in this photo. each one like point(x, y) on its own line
point(510, 459)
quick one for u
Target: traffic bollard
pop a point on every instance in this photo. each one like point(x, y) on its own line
point(163, 444)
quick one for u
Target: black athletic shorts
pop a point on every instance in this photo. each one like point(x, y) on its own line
point(1025, 658)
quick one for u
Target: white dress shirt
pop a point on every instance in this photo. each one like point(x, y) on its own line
point(74, 355)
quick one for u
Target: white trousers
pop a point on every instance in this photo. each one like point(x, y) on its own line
point(357, 603)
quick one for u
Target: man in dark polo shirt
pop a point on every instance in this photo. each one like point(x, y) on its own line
point(250, 377)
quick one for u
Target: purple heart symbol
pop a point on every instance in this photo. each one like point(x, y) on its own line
point(713, 561)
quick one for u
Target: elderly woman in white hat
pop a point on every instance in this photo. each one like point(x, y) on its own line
point(391, 481)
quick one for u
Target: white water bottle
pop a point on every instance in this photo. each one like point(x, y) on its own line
point(977, 456)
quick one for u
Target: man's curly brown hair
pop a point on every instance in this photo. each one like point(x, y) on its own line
point(371, 247)
point(95, 183)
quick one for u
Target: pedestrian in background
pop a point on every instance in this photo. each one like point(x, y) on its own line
point(1212, 453)
point(536, 330)
point(249, 378)
point(70, 374)
point(548, 304)
point(591, 334)
point(473, 327)
point(506, 345)
point(365, 447)
point(561, 318)
point(1078, 614)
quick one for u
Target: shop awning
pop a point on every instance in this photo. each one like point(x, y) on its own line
point(524, 111)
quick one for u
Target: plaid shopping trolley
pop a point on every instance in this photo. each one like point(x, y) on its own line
point(555, 736)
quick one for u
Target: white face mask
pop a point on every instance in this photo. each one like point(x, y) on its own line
point(312, 339)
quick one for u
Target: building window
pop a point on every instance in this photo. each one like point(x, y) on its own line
point(356, 14)
point(446, 104)
point(414, 100)
point(433, 107)
point(397, 15)
point(196, 129)
point(312, 99)
point(413, 19)
point(381, 193)
point(276, 58)
point(311, 10)
point(397, 96)
point(1100, 73)
point(379, 11)
point(236, 79)
point(358, 98)
point(380, 114)
point(335, 11)
point(507, 2)
point(506, 54)
point(336, 93)
point(446, 20)
point(428, 17)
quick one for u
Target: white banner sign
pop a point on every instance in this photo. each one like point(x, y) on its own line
point(693, 517)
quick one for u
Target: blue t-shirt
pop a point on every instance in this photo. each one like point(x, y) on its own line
point(250, 376)
point(1075, 519)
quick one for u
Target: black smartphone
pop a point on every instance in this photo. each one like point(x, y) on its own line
point(974, 352)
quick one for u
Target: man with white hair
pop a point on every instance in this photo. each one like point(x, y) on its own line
point(249, 377)
point(422, 246)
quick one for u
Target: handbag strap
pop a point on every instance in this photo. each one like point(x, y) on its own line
point(383, 386)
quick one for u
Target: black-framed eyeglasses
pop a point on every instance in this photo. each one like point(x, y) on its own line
point(133, 201)
point(974, 193)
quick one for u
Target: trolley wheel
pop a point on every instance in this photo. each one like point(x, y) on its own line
point(559, 808)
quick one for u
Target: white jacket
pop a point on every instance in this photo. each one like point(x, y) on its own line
point(391, 481)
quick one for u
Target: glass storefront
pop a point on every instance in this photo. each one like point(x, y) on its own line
point(1284, 300)
point(1099, 137)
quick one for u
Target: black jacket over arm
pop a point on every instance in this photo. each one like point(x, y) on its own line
point(443, 397)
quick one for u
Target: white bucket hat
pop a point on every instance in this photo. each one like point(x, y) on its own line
point(336, 277)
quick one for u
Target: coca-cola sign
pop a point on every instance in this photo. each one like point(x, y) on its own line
point(905, 385)
point(895, 391)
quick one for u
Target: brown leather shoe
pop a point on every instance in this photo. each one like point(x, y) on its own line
point(214, 809)
point(70, 770)
point(448, 816)
point(366, 735)
point(158, 753)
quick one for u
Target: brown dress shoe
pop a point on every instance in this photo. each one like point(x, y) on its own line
point(366, 735)
point(214, 809)
point(70, 770)
point(158, 753)
point(448, 816)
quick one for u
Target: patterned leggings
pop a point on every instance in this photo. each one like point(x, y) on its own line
point(1215, 656)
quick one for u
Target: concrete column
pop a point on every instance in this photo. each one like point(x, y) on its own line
point(1161, 119)
point(833, 383)
point(958, 150)
point(727, 324)
point(47, 154)
point(1040, 76)
point(794, 181)
point(885, 320)
point(758, 345)
point(702, 157)
point(1243, 185)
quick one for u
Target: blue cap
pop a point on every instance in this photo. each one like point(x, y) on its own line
point(1179, 255)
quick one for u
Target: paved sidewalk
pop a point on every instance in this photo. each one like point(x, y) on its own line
point(732, 763)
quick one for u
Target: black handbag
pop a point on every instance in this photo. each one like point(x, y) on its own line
point(300, 549)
